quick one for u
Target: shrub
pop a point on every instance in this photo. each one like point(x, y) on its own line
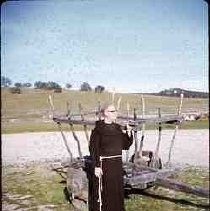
point(15, 90)
point(58, 90)
point(85, 87)
point(99, 89)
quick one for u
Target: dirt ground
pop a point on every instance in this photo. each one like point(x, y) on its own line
point(191, 147)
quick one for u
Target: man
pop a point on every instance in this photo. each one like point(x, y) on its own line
point(106, 144)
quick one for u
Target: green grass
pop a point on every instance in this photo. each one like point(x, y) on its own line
point(27, 112)
point(24, 127)
point(45, 187)
point(161, 199)
point(27, 127)
point(37, 181)
point(199, 124)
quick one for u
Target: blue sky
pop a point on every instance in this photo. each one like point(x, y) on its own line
point(133, 46)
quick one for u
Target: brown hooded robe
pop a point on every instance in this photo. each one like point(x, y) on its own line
point(108, 140)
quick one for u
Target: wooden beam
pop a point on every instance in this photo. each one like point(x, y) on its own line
point(73, 121)
point(178, 186)
point(132, 123)
point(147, 177)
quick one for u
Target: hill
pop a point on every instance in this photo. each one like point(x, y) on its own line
point(175, 92)
point(30, 111)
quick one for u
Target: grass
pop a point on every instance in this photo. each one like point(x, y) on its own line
point(46, 188)
point(43, 185)
point(29, 126)
point(29, 111)
point(199, 124)
point(161, 199)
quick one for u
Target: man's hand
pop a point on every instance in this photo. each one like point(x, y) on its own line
point(98, 171)
point(128, 128)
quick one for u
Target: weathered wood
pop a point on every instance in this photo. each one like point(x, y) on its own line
point(65, 141)
point(127, 151)
point(133, 123)
point(86, 113)
point(135, 135)
point(147, 177)
point(76, 139)
point(66, 120)
point(83, 119)
point(178, 186)
point(169, 119)
point(72, 130)
point(143, 177)
point(175, 131)
point(143, 129)
point(160, 179)
point(155, 159)
point(138, 177)
point(118, 103)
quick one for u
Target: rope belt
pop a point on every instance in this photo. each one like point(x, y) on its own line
point(100, 177)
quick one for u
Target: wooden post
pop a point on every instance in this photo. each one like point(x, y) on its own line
point(135, 134)
point(175, 131)
point(127, 151)
point(76, 139)
point(118, 103)
point(73, 132)
point(143, 128)
point(155, 158)
point(84, 125)
point(65, 141)
point(113, 95)
point(60, 128)
point(52, 108)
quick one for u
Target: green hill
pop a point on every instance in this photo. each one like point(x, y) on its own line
point(175, 92)
point(30, 110)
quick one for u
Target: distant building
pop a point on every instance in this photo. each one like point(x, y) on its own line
point(190, 117)
point(196, 116)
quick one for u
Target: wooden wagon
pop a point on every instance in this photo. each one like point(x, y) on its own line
point(142, 170)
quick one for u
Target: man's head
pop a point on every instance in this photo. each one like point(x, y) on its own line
point(109, 113)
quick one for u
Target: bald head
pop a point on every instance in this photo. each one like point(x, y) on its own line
point(110, 113)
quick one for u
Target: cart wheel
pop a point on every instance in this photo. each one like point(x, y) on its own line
point(148, 162)
point(157, 164)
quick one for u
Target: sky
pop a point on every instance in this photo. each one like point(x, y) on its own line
point(129, 46)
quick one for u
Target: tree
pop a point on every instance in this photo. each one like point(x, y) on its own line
point(27, 85)
point(5, 82)
point(85, 87)
point(50, 85)
point(53, 85)
point(99, 89)
point(40, 85)
point(18, 85)
point(68, 86)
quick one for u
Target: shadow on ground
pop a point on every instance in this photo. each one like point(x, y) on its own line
point(165, 198)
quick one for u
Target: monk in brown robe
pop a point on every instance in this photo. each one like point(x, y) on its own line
point(106, 192)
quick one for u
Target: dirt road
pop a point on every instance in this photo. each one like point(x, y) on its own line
point(191, 146)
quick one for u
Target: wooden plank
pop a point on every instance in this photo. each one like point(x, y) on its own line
point(147, 177)
point(166, 118)
point(178, 186)
point(132, 123)
point(73, 121)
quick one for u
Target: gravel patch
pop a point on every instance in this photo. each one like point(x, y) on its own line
point(191, 147)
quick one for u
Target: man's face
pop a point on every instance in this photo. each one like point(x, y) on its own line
point(111, 113)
